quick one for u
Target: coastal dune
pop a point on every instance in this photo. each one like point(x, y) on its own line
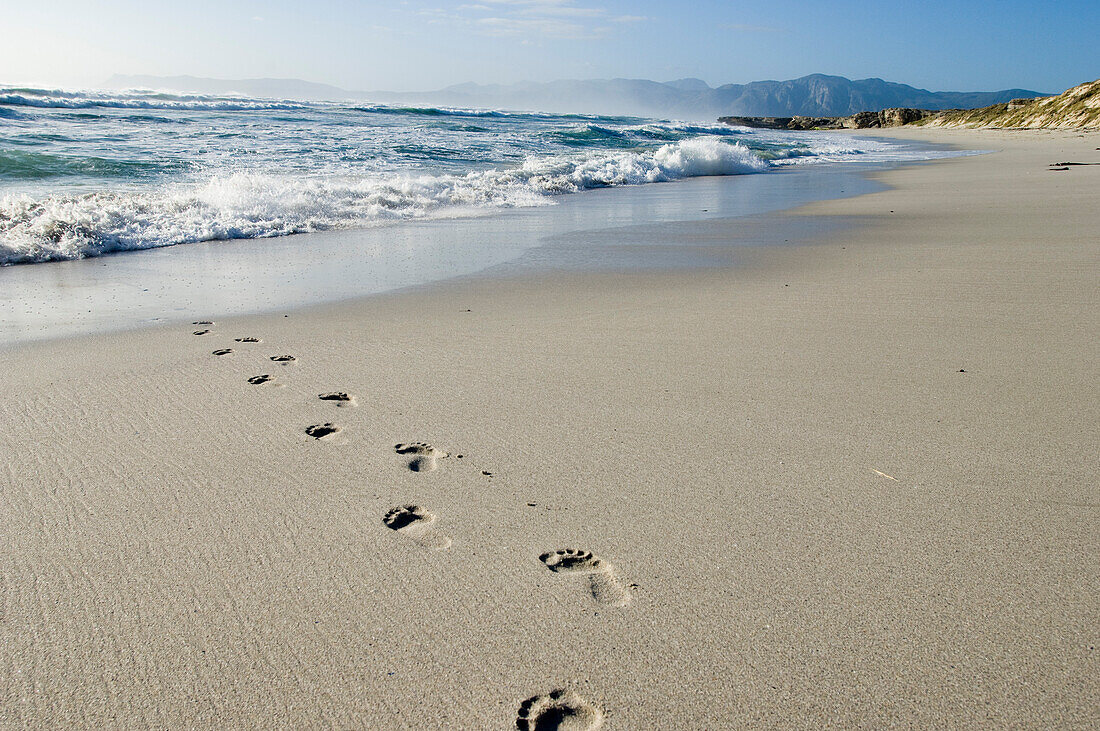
point(850, 481)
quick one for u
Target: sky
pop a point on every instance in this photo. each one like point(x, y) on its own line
point(418, 45)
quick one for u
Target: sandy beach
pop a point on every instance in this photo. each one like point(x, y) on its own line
point(846, 482)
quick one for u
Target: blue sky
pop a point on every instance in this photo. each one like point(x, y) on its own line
point(426, 44)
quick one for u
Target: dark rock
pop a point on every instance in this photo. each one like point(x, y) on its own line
point(795, 123)
point(893, 117)
point(757, 122)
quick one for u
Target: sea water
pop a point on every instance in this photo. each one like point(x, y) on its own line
point(89, 173)
point(198, 196)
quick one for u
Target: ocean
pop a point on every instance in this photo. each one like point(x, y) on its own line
point(88, 173)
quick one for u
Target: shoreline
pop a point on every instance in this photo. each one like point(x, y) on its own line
point(846, 482)
point(165, 285)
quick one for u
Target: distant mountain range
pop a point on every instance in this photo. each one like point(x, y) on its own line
point(265, 88)
point(814, 95)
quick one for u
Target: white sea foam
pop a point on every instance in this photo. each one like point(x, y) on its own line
point(253, 205)
point(61, 99)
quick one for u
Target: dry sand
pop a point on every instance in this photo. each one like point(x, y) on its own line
point(847, 483)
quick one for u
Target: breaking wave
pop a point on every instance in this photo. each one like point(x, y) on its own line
point(61, 99)
point(254, 205)
point(84, 173)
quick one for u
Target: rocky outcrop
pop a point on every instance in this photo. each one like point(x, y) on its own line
point(893, 117)
point(1076, 108)
point(798, 123)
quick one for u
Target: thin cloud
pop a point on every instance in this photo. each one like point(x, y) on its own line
point(560, 19)
point(550, 8)
point(748, 28)
point(546, 27)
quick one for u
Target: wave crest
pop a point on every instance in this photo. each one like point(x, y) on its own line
point(61, 99)
point(249, 205)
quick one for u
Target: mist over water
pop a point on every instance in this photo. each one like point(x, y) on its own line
point(88, 173)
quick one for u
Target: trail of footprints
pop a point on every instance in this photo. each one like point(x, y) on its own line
point(560, 708)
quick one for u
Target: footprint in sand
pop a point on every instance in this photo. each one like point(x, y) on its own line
point(223, 351)
point(262, 378)
point(247, 340)
point(200, 332)
point(283, 358)
point(425, 457)
point(340, 398)
point(603, 585)
point(321, 431)
point(203, 322)
point(559, 709)
point(416, 523)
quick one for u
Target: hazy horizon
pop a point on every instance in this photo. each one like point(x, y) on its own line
point(106, 83)
point(422, 46)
